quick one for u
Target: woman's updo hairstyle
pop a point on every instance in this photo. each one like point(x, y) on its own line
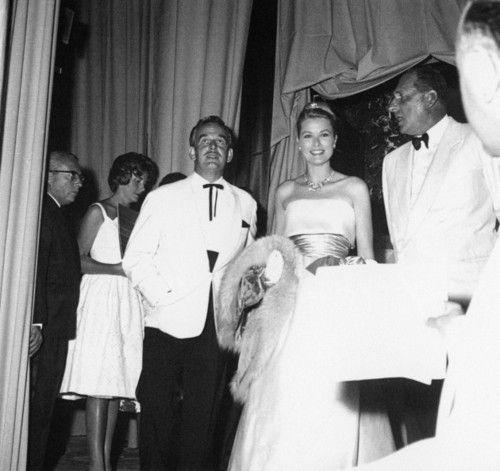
point(317, 109)
point(132, 163)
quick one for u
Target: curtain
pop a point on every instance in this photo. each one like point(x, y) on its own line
point(148, 71)
point(28, 51)
point(343, 47)
point(250, 167)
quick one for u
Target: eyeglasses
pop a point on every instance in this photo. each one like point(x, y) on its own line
point(397, 98)
point(75, 176)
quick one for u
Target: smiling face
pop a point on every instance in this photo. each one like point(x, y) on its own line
point(317, 140)
point(408, 107)
point(210, 151)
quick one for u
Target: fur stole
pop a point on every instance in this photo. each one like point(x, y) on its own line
point(257, 342)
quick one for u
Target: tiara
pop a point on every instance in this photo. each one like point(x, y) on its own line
point(314, 105)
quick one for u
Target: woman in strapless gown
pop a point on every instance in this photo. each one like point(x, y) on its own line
point(296, 416)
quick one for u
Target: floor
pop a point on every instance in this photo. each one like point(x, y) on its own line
point(75, 458)
point(67, 447)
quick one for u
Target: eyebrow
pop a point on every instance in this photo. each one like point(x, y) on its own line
point(223, 136)
point(322, 130)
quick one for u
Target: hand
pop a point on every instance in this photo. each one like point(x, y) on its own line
point(36, 339)
point(445, 322)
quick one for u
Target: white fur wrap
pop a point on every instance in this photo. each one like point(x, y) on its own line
point(264, 325)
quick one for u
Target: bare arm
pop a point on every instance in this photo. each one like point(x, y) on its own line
point(91, 223)
point(363, 217)
point(282, 192)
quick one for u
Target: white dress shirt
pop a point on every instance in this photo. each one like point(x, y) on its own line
point(421, 159)
point(221, 204)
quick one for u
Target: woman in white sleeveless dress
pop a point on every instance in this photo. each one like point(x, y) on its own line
point(296, 417)
point(104, 360)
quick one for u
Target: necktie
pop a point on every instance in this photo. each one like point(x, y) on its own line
point(212, 205)
point(417, 141)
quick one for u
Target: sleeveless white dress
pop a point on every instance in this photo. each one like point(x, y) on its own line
point(297, 417)
point(105, 358)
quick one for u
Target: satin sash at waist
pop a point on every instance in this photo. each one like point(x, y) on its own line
point(321, 245)
point(325, 250)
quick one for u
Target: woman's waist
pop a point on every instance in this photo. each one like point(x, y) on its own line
point(322, 244)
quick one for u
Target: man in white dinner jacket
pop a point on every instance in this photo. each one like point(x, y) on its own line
point(469, 417)
point(185, 235)
point(439, 209)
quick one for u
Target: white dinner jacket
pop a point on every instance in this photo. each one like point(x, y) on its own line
point(452, 221)
point(166, 256)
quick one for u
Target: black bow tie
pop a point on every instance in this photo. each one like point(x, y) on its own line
point(212, 206)
point(417, 141)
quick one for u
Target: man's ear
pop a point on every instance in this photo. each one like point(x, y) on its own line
point(481, 73)
point(229, 155)
point(431, 98)
point(192, 153)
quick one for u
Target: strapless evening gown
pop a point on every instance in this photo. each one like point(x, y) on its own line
point(297, 417)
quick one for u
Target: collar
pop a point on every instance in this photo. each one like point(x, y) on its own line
point(55, 201)
point(199, 181)
point(436, 132)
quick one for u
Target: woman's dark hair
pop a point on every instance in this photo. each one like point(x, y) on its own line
point(132, 163)
point(317, 109)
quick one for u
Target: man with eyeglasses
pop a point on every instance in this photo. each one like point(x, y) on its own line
point(439, 210)
point(56, 300)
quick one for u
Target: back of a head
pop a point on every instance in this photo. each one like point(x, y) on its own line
point(171, 178)
point(481, 18)
point(478, 61)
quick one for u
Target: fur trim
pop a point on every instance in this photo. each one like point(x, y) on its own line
point(265, 323)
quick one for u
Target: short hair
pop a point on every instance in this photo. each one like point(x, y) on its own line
point(428, 77)
point(483, 16)
point(171, 178)
point(60, 157)
point(317, 109)
point(132, 163)
point(212, 119)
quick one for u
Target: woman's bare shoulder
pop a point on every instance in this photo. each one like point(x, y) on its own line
point(285, 189)
point(356, 188)
point(355, 183)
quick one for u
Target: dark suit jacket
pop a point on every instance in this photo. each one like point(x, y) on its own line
point(58, 274)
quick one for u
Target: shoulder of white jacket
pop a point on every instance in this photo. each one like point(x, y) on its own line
point(461, 130)
point(243, 194)
point(168, 190)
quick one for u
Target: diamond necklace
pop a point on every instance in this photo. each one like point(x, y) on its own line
point(315, 186)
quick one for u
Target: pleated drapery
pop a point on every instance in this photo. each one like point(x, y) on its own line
point(149, 71)
point(27, 49)
point(343, 47)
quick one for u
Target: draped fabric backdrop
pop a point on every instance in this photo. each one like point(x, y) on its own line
point(149, 70)
point(342, 47)
point(27, 49)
